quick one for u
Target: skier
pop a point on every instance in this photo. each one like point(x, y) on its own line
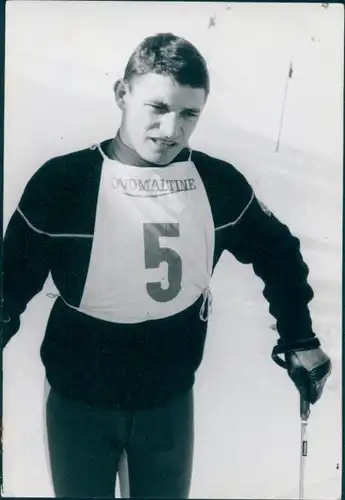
point(212, 21)
point(131, 230)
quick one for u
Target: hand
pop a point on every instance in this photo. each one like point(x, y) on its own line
point(309, 370)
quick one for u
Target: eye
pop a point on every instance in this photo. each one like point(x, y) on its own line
point(189, 114)
point(158, 108)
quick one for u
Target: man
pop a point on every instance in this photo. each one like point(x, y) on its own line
point(131, 231)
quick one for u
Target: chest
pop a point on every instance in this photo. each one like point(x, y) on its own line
point(153, 243)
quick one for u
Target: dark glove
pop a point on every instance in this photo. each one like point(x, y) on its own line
point(307, 365)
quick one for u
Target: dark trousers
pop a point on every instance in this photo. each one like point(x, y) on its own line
point(85, 445)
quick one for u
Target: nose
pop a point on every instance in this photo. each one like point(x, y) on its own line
point(170, 125)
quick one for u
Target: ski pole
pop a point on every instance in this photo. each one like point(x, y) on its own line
point(304, 414)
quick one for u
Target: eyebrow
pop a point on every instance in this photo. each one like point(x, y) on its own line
point(165, 105)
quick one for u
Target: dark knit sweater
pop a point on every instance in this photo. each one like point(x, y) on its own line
point(145, 364)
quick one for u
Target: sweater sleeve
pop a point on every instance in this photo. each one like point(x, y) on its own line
point(25, 255)
point(260, 239)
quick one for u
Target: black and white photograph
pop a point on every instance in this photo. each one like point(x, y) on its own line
point(171, 310)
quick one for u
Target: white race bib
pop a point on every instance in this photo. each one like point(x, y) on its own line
point(153, 243)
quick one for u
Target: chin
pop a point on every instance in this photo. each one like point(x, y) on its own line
point(162, 158)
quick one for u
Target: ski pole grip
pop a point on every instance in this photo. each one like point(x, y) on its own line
point(304, 409)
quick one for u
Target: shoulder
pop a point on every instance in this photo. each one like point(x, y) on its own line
point(66, 167)
point(228, 190)
point(216, 169)
point(59, 184)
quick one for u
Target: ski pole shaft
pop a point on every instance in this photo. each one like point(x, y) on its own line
point(304, 451)
point(304, 414)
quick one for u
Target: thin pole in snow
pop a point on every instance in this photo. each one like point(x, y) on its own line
point(304, 414)
point(283, 107)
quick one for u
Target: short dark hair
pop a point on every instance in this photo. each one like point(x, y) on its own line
point(171, 55)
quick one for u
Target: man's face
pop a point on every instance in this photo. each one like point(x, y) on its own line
point(159, 115)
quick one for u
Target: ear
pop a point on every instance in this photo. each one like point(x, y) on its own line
point(120, 91)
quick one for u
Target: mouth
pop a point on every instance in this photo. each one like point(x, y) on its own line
point(163, 144)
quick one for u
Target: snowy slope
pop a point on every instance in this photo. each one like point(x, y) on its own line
point(248, 394)
point(247, 425)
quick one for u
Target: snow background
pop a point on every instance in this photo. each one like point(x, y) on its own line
point(61, 61)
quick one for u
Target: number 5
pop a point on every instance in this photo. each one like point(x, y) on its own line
point(155, 255)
